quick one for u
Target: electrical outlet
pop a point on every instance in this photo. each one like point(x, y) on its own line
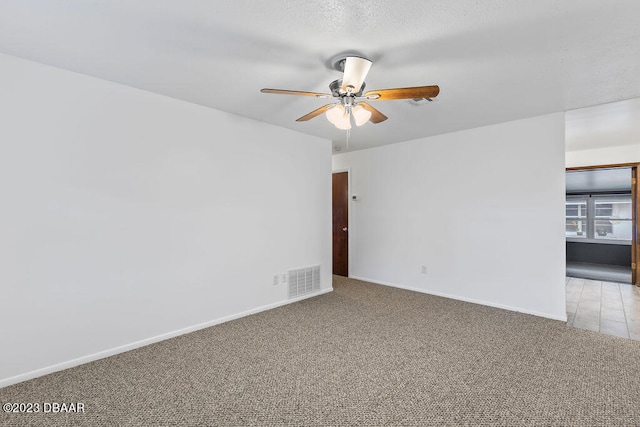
point(284, 277)
point(424, 269)
point(275, 280)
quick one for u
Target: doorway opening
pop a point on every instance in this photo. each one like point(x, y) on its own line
point(602, 222)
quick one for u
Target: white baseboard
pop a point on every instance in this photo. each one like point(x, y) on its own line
point(465, 299)
point(147, 341)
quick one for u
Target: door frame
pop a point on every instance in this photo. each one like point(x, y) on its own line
point(349, 215)
point(635, 209)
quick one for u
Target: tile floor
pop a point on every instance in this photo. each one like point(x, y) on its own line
point(605, 307)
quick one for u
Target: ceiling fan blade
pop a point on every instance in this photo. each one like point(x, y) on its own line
point(355, 71)
point(376, 116)
point(296, 92)
point(314, 113)
point(403, 93)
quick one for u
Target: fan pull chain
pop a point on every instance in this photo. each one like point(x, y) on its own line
point(348, 135)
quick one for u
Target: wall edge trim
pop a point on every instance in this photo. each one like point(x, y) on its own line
point(465, 299)
point(4, 382)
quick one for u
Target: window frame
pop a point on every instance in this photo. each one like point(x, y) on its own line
point(591, 218)
point(578, 200)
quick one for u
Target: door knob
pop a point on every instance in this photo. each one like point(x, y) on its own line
point(344, 229)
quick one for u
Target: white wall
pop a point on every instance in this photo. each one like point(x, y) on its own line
point(603, 156)
point(603, 134)
point(482, 209)
point(128, 217)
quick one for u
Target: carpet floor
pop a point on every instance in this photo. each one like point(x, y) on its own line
point(363, 355)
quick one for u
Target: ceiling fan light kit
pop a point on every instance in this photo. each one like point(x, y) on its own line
point(340, 114)
point(360, 115)
point(338, 117)
point(351, 106)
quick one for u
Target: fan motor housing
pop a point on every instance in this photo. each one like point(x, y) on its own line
point(337, 62)
point(336, 85)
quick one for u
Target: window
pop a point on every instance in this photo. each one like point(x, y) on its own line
point(602, 218)
point(576, 213)
point(612, 219)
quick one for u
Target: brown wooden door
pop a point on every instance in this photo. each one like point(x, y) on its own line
point(635, 253)
point(341, 223)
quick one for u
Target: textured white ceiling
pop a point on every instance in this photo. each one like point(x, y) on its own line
point(494, 61)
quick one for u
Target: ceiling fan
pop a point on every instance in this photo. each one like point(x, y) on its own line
point(350, 97)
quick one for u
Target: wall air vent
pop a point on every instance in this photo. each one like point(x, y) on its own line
point(304, 281)
point(416, 102)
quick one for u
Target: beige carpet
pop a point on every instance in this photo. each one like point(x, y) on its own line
point(362, 355)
